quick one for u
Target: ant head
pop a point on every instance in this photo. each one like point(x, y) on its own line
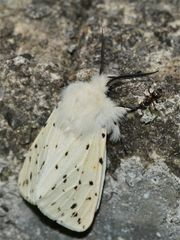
point(157, 93)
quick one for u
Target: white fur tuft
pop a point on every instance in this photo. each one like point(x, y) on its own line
point(85, 108)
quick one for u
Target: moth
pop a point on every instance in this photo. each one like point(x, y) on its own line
point(64, 169)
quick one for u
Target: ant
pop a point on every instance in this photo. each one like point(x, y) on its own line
point(149, 100)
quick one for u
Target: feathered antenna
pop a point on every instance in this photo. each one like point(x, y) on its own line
point(102, 54)
point(116, 79)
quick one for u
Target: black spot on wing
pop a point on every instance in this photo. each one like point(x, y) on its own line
point(53, 187)
point(89, 198)
point(26, 182)
point(87, 147)
point(103, 135)
point(30, 176)
point(74, 214)
point(74, 205)
point(42, 164)
point(90, 183)
point(101, 161)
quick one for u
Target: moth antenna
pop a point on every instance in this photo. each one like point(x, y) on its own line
point(115, 79)
point(102, 54)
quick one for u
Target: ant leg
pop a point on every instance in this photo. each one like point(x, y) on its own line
point(151, 108)
point(154, 105)
point(149, 90)
point(125, 150)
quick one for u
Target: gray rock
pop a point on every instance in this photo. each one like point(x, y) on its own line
point(47, 44)
point(37, 11)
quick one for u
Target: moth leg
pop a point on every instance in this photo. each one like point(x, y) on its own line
point(133, 108)
point(124, 147)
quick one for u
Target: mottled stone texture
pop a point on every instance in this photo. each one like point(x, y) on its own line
point(46, 44)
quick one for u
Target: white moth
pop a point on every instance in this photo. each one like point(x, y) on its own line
point(64, 170)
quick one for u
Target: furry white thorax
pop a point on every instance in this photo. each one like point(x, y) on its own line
point(84, 108)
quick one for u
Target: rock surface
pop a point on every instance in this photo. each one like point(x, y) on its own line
point(44, 45)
